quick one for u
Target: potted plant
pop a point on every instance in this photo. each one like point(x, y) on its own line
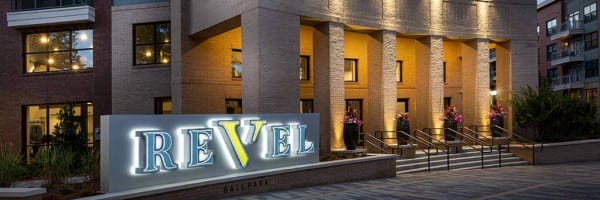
point(402, 124)
point(351, 124)
point(497, 116)
point(451, 120)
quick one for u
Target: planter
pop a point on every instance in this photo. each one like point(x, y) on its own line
point(450, 135)
point(405, 127)
point(350, 135)
point(498, 121)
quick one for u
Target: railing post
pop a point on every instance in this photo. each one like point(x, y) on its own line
point(448, 157)
point(499, 156)
point(482, 162)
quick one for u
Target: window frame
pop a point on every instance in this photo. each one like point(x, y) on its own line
point(239, 100)
point(591, 68)
point(154, 43)
point(307, 70)
point(48, 52)
point(444, 72)
point(355, 69)
point(589, 15)
point(399, 71)
point(312, 103)
point(590, 40)
point(551, 30)
point(406, 102)
point(550, 54)
point(158, 105)
point(241, 64)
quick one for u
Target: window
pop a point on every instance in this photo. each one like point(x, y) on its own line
point(402, 105)
point(236, 63)
point(163, 106)
point(356, 104)
point(589, 13)
point(152, 43)
point(304, 68)
point(591, 68)
point(350, 70)
point(447, 102)
point(552, 75)
point(591, 95)
point(233, 106)
point(19, 5)
point(40, 122)
point(591, 40)
point(59, 51)
point(551, 27)
point(399, 71)
point(444, 71)
point(550, 51)
point(306, 106)
point(573, 20)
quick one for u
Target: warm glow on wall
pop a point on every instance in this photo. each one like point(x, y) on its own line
point(482, 17)
point(436, 16)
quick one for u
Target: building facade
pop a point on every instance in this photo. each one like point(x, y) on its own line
point(568, 47)
point(378, 56)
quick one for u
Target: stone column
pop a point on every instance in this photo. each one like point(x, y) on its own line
point(270, 47)
point(476, 82)
point(382, 81)
point(329, 83)
point(430, 81)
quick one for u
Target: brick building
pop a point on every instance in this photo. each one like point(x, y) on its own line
point(568, 47)
point(258, 56)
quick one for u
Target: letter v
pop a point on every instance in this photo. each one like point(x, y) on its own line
point(230, 129)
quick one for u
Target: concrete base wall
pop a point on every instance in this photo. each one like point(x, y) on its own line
point(564, 152)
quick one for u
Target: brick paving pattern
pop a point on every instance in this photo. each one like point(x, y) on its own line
point(562, 181)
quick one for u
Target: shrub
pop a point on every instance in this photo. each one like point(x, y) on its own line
point(56, 163)
point(11, 167)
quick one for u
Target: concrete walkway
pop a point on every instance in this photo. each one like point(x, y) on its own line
point(563, 181)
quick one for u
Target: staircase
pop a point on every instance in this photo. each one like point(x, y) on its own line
point(468, 159)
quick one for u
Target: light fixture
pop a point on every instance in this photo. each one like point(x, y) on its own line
point(83, 37)
point(75, 66)
point(148, 54)
point(89, 103)
point(493, 92)
point(50, 61)
point(165, 60)
point(166, 40)
point(44, 39)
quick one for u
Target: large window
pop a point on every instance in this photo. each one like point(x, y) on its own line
point(356, 104)
point(40, 122)
point(236, 63)
point(152, 43)
point(550, 51)
point(591, 40)
point(59, 51)
point(351, 70)
point(591, 68)
point(589, 13)
point(551, 27)
point(233, 106)
point(306, 106)
point(20, 5)
point(163, 106)
point(402, 105)
point(304, 68)
point(399, 71)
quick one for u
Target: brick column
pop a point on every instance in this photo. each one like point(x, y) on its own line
point(382, 81)
point(476, 82)
point(430, 81)
point(270, 47)
point(329, 83)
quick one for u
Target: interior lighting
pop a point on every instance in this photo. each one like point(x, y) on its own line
point(148, 54)
point(83, 37)
point(50, 61)
point(493, 92)
point(75, 66)
point(44, 39)
point(165, 60)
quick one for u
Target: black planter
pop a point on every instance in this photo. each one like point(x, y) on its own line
point(448, 133)
point(498, 121)
point(350, 135)
point(405, 127)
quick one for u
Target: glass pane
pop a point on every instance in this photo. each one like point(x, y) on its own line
point(83, 59)
point(144, 54)
point(90, 123)
point(167, 106)
point(236, 63)
point(163, 33)
point(36, 130)
point(83, 39)
point(47, 3)
point(36, 62)
point(306, 106)
point(59, 41)
point(304, 67)
point(164, 53)
point(401, 107)
point(144, 34)
point(36, 42)
point(59, 61)
point(233, 106)
point(349, 70)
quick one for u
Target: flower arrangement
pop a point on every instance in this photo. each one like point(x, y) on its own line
point(351, 118)
point(497, 112)
point(402, 117)
point(451, 115)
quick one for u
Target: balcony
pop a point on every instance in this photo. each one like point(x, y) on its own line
point(568, 30)
point(574, 81)
point(567, 56)
point(29, 13)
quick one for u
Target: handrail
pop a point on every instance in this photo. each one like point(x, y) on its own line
point(474, 139)
point(447, 151)
point(509, 134)
point(429, 145)
point(380, 142)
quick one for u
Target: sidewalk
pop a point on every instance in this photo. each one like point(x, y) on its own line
point(562, 181)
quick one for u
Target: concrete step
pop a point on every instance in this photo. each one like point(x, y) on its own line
point(468, 165)
point(418, 163)
point(442, 156)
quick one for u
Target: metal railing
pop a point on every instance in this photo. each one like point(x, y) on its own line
point(369, 139)
point(25, 5)
point(576, 51)
point(491, 138)
point(435, 142)
point(513, 138)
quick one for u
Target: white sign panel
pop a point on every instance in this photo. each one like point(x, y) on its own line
point(139, 151)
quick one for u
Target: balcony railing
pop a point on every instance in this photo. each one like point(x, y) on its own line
point(571, 81)
point(568, 29)
point(25, 5)
point(567, 55)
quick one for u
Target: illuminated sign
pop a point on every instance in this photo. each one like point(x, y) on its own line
point(140, 151)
